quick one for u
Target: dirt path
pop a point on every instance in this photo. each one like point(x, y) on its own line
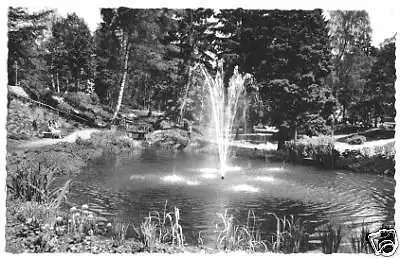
point(83, 134)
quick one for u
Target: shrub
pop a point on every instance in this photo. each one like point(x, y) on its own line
point(320, 149)
point(330, 239)
point(36, 183)
point(347, 129)
point(78, 99)
point(315, 127)
point(94, 98)
point(356, 140)
point(65, 107)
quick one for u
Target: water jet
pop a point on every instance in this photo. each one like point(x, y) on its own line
point(224, 103)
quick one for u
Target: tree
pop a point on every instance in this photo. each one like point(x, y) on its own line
point(24, 30)
point(138, 35)
point(191, 41)
point(380, 87)
point(288, 53)
point(107, 63)
point(351, 45)
point(71, 51)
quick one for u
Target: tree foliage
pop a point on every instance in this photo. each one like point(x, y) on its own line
point(287, 52)
point(71, 52)
point(352, 55)
point(24, 54)
point(380, 86)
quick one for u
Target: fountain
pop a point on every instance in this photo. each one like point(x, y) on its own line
point(224, 103)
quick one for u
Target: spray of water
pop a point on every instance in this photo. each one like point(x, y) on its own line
point(224, 103)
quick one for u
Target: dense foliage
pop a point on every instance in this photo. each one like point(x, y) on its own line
point(303, 65)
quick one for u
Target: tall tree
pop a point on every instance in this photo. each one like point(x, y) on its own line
point(351, 45)
point(138, 34)
point(72, 50)
point(191, 41)
point(288, 53)
point(24, 30)
point(380, 87)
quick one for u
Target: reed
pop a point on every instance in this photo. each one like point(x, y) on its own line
point(290, 235)
point(359, 241)
point(162, 228)
point(231, 237)
point(37, 183)
point(330, 238)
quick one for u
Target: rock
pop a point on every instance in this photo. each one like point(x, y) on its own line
point(174, 138)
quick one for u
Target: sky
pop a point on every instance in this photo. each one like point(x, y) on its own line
point(384, 22)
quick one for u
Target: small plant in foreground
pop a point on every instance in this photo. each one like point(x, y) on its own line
point(290, 236)
point(162, 229)
point(238, 237)
point(35, 183)
point(359, 241)
point(330, 238)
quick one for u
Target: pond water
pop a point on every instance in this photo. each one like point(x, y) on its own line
point(128, 187)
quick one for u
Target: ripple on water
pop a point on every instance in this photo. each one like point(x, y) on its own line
point(208, 170)
point(192, 183)
point(275, 169)
point(137, 177)
point(265, 178)
point(209, 176)
point(173, 178)
point(245, 188)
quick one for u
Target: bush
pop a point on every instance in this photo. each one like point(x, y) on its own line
point(65, 107)
point(315, 127)
point(36, 183)
point(356, 140)
point(94, 98)
point(321, 150)
point(78, 99)
point(347, 129)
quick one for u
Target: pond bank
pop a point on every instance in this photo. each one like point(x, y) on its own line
point(35, 239)
point(375, 157)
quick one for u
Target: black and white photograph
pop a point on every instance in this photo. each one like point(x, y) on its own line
point(183, 129)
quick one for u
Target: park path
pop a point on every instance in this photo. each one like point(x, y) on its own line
point(83, 134)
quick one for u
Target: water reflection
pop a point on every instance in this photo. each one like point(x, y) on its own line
point(129, 188)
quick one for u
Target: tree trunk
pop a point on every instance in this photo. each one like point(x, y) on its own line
point(344, 112)
point(122, 87)
point(58, 83)
point(281, 138)
point(53, 85)
point(16, 73)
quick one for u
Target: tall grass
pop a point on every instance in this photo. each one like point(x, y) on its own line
point(162, 228)
point(359, 241)
point(37, 183)
point(290, 235)
point(239, 237)
point(331, 238)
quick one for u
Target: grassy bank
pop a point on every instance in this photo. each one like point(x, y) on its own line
point(322, 151)
point(35, 188)
point(40, 227)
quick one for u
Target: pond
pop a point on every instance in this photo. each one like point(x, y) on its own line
point(128, 187)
